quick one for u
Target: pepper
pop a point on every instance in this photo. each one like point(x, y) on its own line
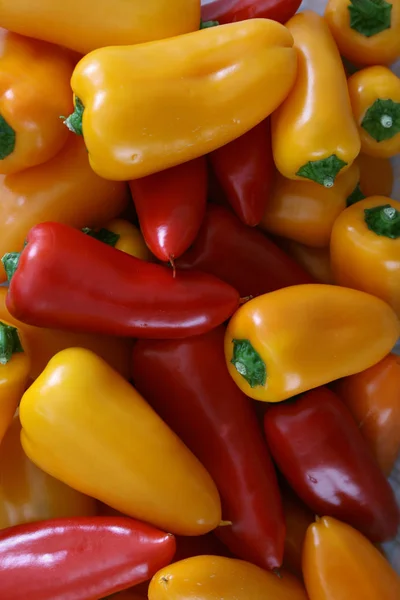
point(313, 131)
point(340, 563)
point(316, 261)
point(67, 280)
point(373, 397)
point(241, 256)
point(376, 175)
point(229, 11)
point(124, 236)
point(80, 558)
point(49, 192)
point(289, 341)
point(365, 31)
point(317, 446)
point(95, 24)
point(298, 518)
point(216, 422)
point(305, 211)
point(186, 100)
point(245, 169)
point(375, 100)
point(170, 206)
point(110, 444)
point(365, 248)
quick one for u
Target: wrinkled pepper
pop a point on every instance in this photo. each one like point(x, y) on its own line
point(339, 563)
point(316, 261)
point(365, 248)
point(111, 445)
point(229, 11)
point(298, 338)
point(207, 98)
point(122, 235)
point(68, 280)
point(217, 423)
point(313, 131)
point(376, 175)
point(375, 100)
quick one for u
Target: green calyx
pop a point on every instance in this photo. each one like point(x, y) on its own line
point(74, 121)
point(383, 220)
point(208, 24)
point(322, 171)
point(249, 363)
point(382, 120)
point(9, 343)
point(355, 196)
point(7, 139)
point(10, 263)
point(369, 17)
point(103, 235)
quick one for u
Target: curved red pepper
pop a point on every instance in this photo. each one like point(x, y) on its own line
point(170, 206)
point(188, 384)
point(241, 256)
point(228, 11)
point(68, 280)
point(80, 558)
point(318, 447)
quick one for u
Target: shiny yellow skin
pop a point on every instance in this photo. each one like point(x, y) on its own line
point(13, 380)
point(131, 240)
point(309, 335)
point(88, 427)
point(177, 99)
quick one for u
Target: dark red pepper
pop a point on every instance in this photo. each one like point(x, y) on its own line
point(228, 11)
point(68, 280)
point(170, 206)
point(243, 257)
point(318, 447)
point(188, 384)
point(79, 558)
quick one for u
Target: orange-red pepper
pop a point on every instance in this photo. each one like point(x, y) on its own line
point(316, 261)
point(376, 175)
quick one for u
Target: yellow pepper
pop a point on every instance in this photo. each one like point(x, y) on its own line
point(124, 236)
point(298, 338)
point(88, 427)
point(376, 175)
point(174, 100)
point(313, 132)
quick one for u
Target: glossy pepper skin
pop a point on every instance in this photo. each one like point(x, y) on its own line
point(49, 192)
point(376, 175)
point(71, 281)
point(317, 446)
point(375, 100)
point(313, 131)
point(245, 169)
point(131, 461)
point(226, 96)
point(366, 33)
point(170, 206)
point(305, 211)
point(229, 11)
point(298, 338)
point(80, 558)
point(365, 248)
point(373, 397)
point(316, 261)
point(241, 256)
point(216, 421)
point(96, 23)
point(339, 563)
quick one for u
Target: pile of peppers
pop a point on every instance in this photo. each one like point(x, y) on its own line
point(199, 301)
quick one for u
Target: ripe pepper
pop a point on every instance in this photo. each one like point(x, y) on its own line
point(317, 446)
point(376, 175)
point(229, 11)
point(122, 235)
point(365, 248)
point(170, 206)
point(298, 518)
point(313, 131)
point(71, 281)
point(366, 33)
point(289, 341)
point(375, 100)
point(339, 563)
point(96, 23)
point(215, 420)
point(305, 211)
point(241, 256)
point(373, 397)
point(80, 558)
point(49, 192)
point(187, 100)
point(111, 445)
point(245, 169)
point(28, 494)
point(316, 261)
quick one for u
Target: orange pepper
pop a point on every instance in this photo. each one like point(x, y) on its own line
point(376, 175)
point(298, 518)
point(341, 564)
point(316, 261)
point(373, 397)
point(124, 236)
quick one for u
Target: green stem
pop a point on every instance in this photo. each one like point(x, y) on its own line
point(9, 343)
point(208, 24)
point(74, 121)
point(10, 263)
point(322, 171)
point(249, 363)
point(382, 119)
point(355, 196)
point(369, 17)
point(7, 139)
point(383, 220)
point(103, 235)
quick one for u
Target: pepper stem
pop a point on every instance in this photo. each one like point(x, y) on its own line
point(9, 343)
point(74, 121)
point(386, 121)
point(249, 363)
point(103, 235)
point(322, 171)
point(355, 196)
point(7, 139)
point(382, 120)
point(208, 24)
point(10, 263)
point(369, 17)
point(383, 220)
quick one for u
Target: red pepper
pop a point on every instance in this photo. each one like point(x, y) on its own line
point(228, 11)
point(79, 559)
point(245, 169)
point(318, 447)
point(68, 280)
point(170, 206)
point(188, 384)
point(188, 546)
point(241, 256)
